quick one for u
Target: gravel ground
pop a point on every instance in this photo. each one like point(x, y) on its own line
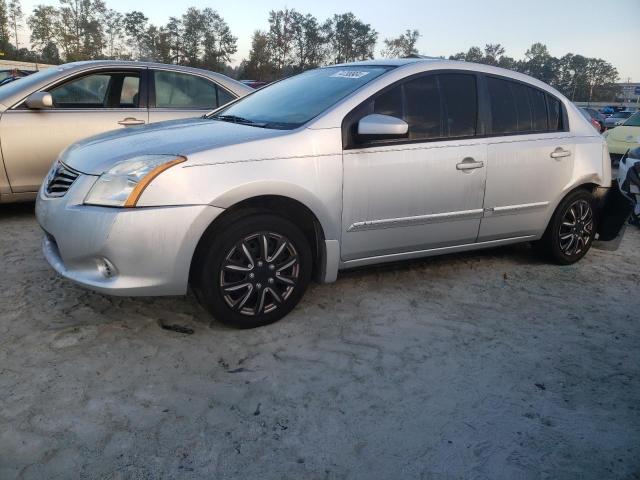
point(488, 365)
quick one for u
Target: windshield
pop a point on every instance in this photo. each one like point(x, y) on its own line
point(633, 121)
point(292, 102)
point(622, 115)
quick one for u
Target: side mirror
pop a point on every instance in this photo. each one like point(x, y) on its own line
point(39, 100)
point(382, 126)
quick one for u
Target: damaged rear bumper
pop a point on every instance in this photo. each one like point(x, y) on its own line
point(613, 210)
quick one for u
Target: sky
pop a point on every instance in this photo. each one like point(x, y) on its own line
point(606, 29)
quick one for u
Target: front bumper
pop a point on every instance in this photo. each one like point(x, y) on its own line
point(150, 249)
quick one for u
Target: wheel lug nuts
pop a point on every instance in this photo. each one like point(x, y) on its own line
point(260, 264)
point(271, 280)
point(258, 286)
point(272, 267)
point(252, 275)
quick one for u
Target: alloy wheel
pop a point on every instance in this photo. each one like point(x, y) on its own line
point(576, 228)
point(259, 273)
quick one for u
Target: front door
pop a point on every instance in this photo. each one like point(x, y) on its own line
point(84, 106)
point(422, 192)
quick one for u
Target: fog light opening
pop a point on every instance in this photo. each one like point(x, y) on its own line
point(106, 268)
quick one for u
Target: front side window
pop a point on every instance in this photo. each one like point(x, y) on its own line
point(99, 90)
point(435, 106)
point(180, 90)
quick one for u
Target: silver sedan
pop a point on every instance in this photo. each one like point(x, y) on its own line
point(335, 168)
point(44, 113)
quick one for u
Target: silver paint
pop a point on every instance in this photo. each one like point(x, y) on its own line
point(374, 205)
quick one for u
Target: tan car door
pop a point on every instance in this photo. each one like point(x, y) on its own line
point(174, 95)
point(86, 105)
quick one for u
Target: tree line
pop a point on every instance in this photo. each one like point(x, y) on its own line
point(293, 42)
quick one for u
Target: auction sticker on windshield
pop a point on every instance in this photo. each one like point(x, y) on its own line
point(349, 74)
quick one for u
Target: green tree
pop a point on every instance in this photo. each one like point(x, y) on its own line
point(193, 24)
point(15, 17)
point(4, 26)
point(282, 31)
point(135, 28)
point(309, 42)
point(401, 46)
point(350, 39)
point(175, 32)
point(113, 28)
point(80, 32)
point(260, 65)
point(218, 43)
point(43, 25)
point(540, 64)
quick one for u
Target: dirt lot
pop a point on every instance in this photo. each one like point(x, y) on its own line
point(484, 365)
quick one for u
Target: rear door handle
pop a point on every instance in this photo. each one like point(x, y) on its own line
point(469, 164)
point(130, 121)
point(560, 152)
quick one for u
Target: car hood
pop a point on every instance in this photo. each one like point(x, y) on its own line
point(97, 154)
point(625, 134)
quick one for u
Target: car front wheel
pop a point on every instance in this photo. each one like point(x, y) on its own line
point(254, 271)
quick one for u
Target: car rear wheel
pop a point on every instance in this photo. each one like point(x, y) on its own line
point(254, 271)
point(572, 229)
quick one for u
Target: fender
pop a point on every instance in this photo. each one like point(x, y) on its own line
point(283, 189)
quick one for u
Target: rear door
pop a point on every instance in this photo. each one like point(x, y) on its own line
point(176, 95)
point(85, 105)
point(530, 156)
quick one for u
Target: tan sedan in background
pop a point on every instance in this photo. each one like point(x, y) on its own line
point(44, 113)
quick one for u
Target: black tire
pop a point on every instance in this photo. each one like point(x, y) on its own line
point(564, 243)
point(219, 283)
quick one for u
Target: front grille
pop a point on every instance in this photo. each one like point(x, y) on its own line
point(60, 180)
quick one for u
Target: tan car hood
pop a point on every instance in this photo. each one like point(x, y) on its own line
point(97, 154)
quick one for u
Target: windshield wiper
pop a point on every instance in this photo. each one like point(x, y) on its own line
point(237, 119)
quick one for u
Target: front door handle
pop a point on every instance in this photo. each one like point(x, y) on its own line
point(130, 121)
point(469, 164)
point(560, 152)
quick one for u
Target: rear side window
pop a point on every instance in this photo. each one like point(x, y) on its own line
point(517, 108)
point(538, 110)
point(224, 97)
point(504, 114)
point(180, 90)
point(555, 114)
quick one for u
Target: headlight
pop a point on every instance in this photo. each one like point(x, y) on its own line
point(122, 185)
